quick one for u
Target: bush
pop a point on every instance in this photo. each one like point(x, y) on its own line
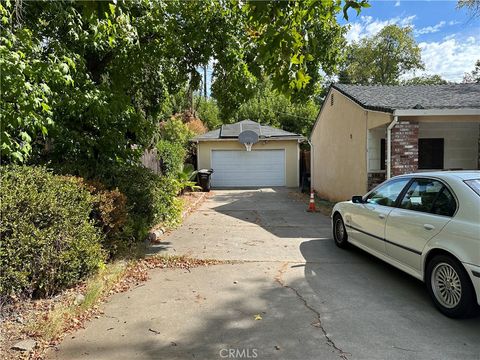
point(175, 131)
point(197, 126)
point(151, 198)
point(49, 241)
point(172, 155)
point(111, 215)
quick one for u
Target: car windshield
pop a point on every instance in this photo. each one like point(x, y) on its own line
point(474, 184)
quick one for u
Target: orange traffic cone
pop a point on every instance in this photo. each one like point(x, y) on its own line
point(311, 205)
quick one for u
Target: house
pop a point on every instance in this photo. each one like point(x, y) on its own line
point(248, 154)
point(364, 135)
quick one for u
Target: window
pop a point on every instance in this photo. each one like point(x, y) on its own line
point(387, 193)
point(474, 184)
point(430, 196)
point(430, 153)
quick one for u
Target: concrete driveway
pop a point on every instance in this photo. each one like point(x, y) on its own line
point(293, 296)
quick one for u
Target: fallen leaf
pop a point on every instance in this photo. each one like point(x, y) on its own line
point(258, 317)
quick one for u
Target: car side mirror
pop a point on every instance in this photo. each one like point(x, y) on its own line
point(357, 199)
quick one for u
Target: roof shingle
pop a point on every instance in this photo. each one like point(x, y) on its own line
point(233, 130)
point(400, 97)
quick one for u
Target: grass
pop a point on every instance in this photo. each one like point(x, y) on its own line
point(65, 313)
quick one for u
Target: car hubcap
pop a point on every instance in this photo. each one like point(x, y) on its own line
point(446, 285)
point(339, 230)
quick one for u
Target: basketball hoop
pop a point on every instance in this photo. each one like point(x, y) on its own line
point(248, 138)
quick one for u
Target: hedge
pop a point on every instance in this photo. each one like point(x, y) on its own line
point(48, 239)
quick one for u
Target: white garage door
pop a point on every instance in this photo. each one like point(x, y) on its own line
point(248, 168)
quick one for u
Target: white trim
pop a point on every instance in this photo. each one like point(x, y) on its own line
point(285, 138)
point(312, 188)
point(436, 112)
point(298, 164)
point(389, 146)
point(198, 155)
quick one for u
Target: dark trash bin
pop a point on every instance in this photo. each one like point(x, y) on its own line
point(204, 179)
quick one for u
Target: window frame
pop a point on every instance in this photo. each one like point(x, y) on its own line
point(444, 186)
point(400, 194)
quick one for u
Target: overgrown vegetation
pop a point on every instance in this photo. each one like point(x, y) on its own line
point(49, 241)
point(270, 107)
point(151, 199)
point(87, 82)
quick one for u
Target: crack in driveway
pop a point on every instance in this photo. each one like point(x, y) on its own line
point(318, 324)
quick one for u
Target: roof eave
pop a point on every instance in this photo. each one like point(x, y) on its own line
point(366, 107)
point(437, 112)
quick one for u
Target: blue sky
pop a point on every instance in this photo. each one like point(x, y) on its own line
point(448, 37)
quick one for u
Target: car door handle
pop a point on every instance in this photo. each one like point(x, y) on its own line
point(381, 216)
point(428, 226)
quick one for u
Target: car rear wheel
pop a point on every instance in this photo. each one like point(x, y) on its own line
point(339, 232)
point(450, 287)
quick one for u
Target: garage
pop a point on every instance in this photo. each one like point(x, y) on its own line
point(270, 158)
point(256, 168)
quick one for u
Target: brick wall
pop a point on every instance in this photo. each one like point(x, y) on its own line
point(375, 178)
point(404, 148)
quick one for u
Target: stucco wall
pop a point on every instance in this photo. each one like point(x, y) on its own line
point(461, 142)
point(340, 149)
point(204, 151)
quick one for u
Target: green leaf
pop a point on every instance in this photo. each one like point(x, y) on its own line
point(45, 107)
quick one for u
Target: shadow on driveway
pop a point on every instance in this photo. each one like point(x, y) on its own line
point(280, 211)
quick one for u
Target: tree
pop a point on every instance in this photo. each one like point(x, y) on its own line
point(86, 82)
point(425, 80)
point(270, 107)
point(291, 42)
point(382, 58)
point(209, 113)
point(474, 75)
point(472, 5)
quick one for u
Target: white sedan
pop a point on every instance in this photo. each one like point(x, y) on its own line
point(426, 224)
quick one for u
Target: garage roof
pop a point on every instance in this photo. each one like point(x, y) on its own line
point(389, 98)
point(231, 131)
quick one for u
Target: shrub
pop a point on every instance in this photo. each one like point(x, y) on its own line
point(172, 155)
point(175, 131)
point(111, 215)
point(48, 240)
point(151, 198)
point(197, 126)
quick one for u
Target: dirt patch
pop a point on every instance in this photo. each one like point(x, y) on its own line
point(322, 206)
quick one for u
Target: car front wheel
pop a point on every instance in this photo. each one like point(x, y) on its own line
point(450, 287)
point(339, 232)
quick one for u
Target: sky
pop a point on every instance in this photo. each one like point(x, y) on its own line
point(449, 38)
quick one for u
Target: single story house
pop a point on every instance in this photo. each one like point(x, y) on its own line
point(364, 134)
point(272, 161)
